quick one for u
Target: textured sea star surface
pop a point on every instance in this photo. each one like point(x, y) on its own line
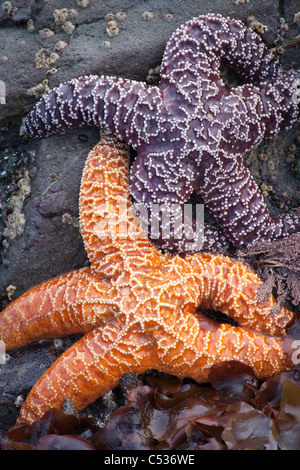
point(139, 308)
point(190, 132)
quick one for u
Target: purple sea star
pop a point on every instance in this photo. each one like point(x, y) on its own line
point(190, 132)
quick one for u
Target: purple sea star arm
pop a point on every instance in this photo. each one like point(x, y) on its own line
point(191, 68)
point(174, 229)
point(237, 204)
point(113, 103)
point(207, 41)
point(252, 113)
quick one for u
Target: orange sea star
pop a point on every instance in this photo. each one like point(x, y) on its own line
point(137, 306)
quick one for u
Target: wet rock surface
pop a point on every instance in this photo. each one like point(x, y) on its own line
point(47, 239)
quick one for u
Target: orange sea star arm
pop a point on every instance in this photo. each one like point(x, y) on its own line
point(232, 288)
point(94, 364)
point(114, 238)
point(198, 343)
point(89, 368)
point(72, 303)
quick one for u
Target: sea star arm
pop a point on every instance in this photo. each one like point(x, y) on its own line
point(257, 111)
point(72, 303)
point(212, 38)
point(232, 288)
point(165, 213)
point(115, 104)
point(198, 343)
point(89, 369)
point(94, 364)
point(183, 233)
point(237, 204)
point(113, 236)
point(194, 54)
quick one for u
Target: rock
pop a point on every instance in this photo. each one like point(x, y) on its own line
point(51, 237)
point(23, 368)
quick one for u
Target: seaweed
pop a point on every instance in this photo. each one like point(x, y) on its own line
point(233, 411)
point(278, 265)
